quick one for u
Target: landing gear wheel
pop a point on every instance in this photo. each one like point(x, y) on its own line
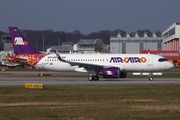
point(150, 78)
point(96, 78)
point(90, 78)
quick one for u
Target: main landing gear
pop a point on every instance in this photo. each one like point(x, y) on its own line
point(150, 76)
point(95, 78)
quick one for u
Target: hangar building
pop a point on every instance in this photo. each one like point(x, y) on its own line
point(86, 46)
point(135, 42)
point(5, 43)
point(171, 37)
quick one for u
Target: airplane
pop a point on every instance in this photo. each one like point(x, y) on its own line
point(106, 65)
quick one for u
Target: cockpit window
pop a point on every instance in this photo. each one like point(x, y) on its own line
point(162, 59)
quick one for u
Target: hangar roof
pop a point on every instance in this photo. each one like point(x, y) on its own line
point(86, 41)
point(138, 33)
point(61, 48)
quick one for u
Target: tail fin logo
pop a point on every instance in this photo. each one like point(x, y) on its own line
point(19, 41)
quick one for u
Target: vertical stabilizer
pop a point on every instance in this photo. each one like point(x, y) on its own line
point(20, 44)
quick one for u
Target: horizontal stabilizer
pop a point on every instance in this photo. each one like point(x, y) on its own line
point(21, 60)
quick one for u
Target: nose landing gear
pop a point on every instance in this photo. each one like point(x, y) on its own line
point(150, 76)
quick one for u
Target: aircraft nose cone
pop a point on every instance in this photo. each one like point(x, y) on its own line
point(170, 65)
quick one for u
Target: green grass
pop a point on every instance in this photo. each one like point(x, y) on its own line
point(106, 102)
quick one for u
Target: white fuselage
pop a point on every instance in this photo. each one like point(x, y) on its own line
point(126, 62)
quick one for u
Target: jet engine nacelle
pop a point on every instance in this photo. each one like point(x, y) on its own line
point(111, 72)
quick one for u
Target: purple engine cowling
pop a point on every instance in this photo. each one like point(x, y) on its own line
point(111, 72)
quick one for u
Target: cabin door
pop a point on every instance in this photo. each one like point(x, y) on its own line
point(150, 61)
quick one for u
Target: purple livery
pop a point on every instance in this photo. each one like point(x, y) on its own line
point(20, 44)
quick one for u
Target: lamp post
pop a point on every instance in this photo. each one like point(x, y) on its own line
point(119, 45)
point(43, 42)
point(59, 39)
point(36, 45)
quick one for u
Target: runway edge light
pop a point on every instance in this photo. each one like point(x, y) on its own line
point(36, 86)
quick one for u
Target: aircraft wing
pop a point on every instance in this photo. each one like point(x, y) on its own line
point(7, 63)
point(85, 65)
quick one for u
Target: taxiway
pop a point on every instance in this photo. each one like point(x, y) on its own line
point(16, 78)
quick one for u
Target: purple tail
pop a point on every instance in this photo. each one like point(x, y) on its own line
point(20, 44)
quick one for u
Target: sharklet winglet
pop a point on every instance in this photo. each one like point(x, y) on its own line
point(59, 57)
